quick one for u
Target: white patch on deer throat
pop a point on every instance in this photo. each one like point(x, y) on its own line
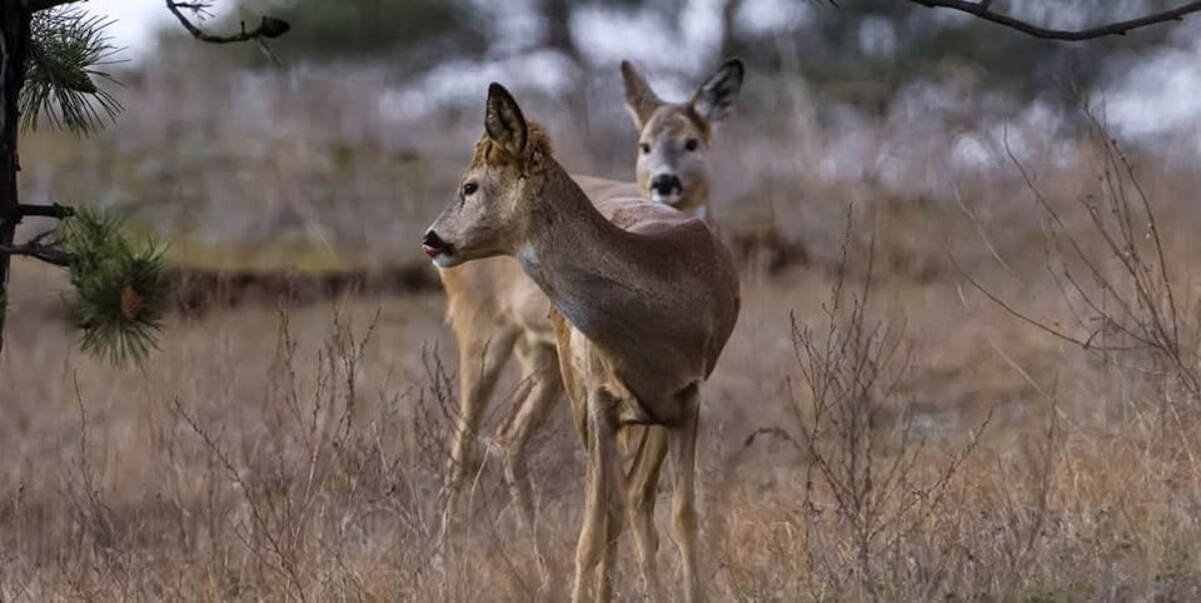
point(670, 199)
point(527, 258)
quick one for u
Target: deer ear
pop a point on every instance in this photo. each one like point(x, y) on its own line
point(712, 101)
point(504, 122)
point(641, 101)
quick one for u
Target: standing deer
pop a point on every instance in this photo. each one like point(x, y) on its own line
point(494, 309)
point(642, 310)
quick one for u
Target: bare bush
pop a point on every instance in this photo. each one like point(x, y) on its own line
point(877, 475)
point(1109, 264)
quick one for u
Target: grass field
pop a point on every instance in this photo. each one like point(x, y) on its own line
point(943, 449)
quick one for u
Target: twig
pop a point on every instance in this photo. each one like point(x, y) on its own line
point(269, 27)
point(54, 210)
point(45, 253)
point(980, 10)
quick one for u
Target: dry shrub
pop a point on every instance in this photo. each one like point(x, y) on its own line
point(867, 522)
point(315, 492)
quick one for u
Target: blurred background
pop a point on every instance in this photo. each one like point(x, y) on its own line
point(345, 134)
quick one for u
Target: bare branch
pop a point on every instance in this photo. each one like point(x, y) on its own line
point(45, 253)
point(980, 9)
point(37, 5)
point(54, 210)
point(268, 28)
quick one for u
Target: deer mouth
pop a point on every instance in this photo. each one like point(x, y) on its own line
point(436, 249)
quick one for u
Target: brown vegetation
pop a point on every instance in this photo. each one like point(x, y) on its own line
point(299, 455)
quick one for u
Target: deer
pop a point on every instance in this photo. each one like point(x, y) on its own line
point(643, 297)
point(496, 311)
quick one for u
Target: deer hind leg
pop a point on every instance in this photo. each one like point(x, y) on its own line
point(541, 368)
point(682, 445)
point(641, 486)
point(602, 507)
point(480, 362)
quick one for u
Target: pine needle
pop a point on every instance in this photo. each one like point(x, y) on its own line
point(67, 48)
point(120, 287)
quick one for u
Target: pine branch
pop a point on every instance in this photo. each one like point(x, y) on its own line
point(980, 9)
point(67, 45)
point(120, 287)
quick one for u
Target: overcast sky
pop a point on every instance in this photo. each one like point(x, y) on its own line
point(136, 21)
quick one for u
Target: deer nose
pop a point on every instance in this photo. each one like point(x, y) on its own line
point(666, 184)
point(432, 244)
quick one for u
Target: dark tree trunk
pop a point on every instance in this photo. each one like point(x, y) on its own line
point(14, 42)
point(558, 37)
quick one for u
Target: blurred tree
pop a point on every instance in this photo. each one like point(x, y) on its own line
point(422, 31)
point(888, 42)
point(982, 9)
point(50, 59)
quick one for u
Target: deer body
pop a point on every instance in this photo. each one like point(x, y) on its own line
point(643, 309)
point(650, 273)
point(496, 311)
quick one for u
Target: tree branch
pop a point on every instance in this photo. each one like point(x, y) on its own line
point(980, 10)
point(50, 255)
point(269, 27)
point(37, 5)
point(53, 210)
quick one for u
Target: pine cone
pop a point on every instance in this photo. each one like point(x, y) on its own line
point(131, 303)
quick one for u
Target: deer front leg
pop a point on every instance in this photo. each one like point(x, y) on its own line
point(480, 362)
point(541, 369)
point(682, 445)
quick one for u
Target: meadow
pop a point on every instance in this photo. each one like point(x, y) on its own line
point(966, 366)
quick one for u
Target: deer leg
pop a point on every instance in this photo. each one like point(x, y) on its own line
point(480, 362)
point(599, 494)
point(641, 488)
point(541, 367)
point(682, 445)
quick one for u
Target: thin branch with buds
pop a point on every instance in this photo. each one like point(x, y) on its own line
point(980, 9)
point(268, 28)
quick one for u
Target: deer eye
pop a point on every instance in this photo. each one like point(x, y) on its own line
point(469, 188)
point(691, 144)
point(645, 148)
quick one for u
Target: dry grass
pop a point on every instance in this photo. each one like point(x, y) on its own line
point(297, 454)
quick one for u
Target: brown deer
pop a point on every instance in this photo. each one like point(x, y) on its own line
point(642, 310)
point(494, 309)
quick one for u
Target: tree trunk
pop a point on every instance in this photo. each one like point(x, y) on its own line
point(558, 37)
point(14, 42)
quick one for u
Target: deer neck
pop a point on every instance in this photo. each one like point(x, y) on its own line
point(572, 252)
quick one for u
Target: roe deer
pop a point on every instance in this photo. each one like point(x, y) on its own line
point(494, 309)
point(642, 310)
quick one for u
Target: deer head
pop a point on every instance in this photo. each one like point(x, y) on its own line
point(490, 212)
point(674, 138)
